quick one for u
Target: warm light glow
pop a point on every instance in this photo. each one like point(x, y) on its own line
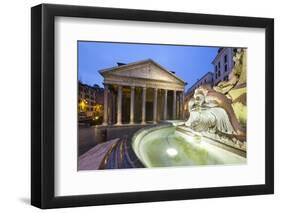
point(172, 152)
point(98, 108)
point(83, 105)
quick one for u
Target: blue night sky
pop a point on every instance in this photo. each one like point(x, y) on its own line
point(189, 62)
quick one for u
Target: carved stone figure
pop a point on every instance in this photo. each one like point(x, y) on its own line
point(221, 111)
point(206, 114)
point(235, 88)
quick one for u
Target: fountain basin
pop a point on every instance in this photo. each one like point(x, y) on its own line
point(165, 146)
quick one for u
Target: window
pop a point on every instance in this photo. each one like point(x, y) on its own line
point(216, 68)
point(219, 73)
point(219, 65)
point(225, 58)
point(225, 68)
point(225, 78)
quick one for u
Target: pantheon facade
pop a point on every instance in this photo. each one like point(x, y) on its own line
point(140, 93)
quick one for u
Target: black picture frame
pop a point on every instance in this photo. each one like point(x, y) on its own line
point(43, 105)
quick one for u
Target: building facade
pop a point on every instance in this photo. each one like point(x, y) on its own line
point(141, 92)
point(223, 64)
point(207, 79)
point(90, 100)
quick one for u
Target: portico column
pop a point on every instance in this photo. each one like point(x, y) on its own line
point(182, 105)
point(132, 109)
point(119, 106)
point(155, 106)
point(105, 105)
point(113, 108)
point(178, 107)
point(174, 104)
point(165, 104)
point(143, 105)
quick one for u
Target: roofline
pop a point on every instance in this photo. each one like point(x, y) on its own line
point(201, 78)
point(204, 76)
point(87, 85)
point(218, 54)
point(223, 49)
point(125, 65)
point(140, 62)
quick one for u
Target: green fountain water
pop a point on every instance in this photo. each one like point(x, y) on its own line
point(165, 146)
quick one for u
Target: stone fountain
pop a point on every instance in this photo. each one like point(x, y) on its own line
point(214, 133)
point(220, 112)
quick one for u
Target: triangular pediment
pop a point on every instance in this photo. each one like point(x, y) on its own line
point(145, 70)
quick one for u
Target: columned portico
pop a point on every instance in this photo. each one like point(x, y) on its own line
point(143, 121)
point(174, 104)
point(182, 105)
point(146, 93)
point(119, 106)
point(132, 105)
point(165, 104)
point(105, 105)
point(155, 106)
